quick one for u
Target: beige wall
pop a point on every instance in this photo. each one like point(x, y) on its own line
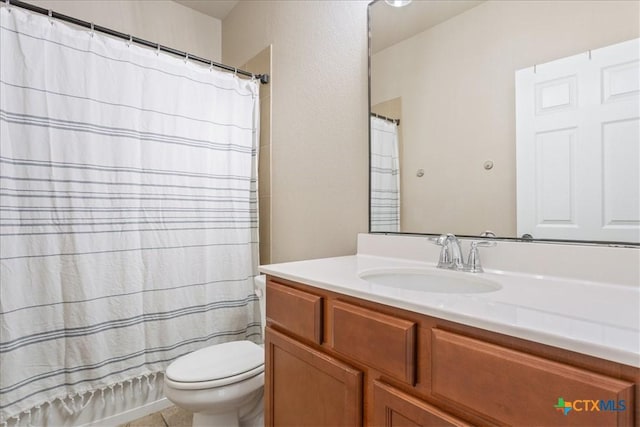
point(456, 81)
point(319, 150)
point(261, 64)
point(164, 22)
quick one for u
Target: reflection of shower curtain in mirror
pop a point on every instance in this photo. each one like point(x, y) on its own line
point(385, 176)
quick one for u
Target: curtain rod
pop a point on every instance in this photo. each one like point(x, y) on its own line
point(396, 121)
point(264, 78)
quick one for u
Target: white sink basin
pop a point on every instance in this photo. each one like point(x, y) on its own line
point(430, 280)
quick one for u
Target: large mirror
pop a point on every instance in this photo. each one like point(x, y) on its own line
point(516, 117)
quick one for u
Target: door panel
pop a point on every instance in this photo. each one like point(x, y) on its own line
point(304, 387)
point(393, 408)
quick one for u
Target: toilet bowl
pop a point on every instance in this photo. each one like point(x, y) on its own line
point(222, 383)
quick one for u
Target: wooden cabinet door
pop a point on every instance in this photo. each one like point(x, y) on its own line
point(304, 387)
point(393, 408)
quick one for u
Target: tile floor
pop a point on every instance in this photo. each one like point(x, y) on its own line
point(170, 417)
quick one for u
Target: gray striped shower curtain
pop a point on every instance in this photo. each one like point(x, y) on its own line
point(128, 211)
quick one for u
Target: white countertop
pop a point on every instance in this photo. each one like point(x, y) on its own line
point(594, 318)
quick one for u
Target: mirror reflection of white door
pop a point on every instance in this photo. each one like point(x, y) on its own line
point(578, 146)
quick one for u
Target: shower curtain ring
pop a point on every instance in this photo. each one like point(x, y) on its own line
point(186, 58)
point(158, 50)
point(130, 40)
point(92, 30)
point(210, 65)
point(50, 16)
point(235, 71)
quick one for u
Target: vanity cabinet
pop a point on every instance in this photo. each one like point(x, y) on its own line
point(333, 359)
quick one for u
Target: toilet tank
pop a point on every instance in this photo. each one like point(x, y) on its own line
point(260, 286)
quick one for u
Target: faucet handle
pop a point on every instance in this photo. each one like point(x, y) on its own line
point(487, 233)
point(484, 243)
point(473, 262)
point(487, 242)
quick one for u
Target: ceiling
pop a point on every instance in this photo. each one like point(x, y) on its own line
point(214, 8)
point(390, 24)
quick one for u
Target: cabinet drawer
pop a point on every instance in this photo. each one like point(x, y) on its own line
point(380, 341)
point(517, 388)
point(296, 311)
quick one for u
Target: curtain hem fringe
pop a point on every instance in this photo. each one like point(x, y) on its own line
point(74, 403)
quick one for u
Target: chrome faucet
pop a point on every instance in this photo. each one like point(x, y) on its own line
point(451, 254)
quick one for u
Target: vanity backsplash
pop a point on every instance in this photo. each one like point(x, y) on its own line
point(611, 265)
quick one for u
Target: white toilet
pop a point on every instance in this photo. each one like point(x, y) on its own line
point(223, 383)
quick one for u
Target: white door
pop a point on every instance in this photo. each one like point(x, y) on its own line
point(578, 146)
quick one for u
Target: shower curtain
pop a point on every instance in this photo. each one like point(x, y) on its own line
point(128, 212)
point(385, 176)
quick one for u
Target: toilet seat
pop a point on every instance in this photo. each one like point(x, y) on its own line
point(201, 385)
point(216, 366)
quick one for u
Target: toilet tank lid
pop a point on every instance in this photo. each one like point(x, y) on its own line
point(216, 362)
